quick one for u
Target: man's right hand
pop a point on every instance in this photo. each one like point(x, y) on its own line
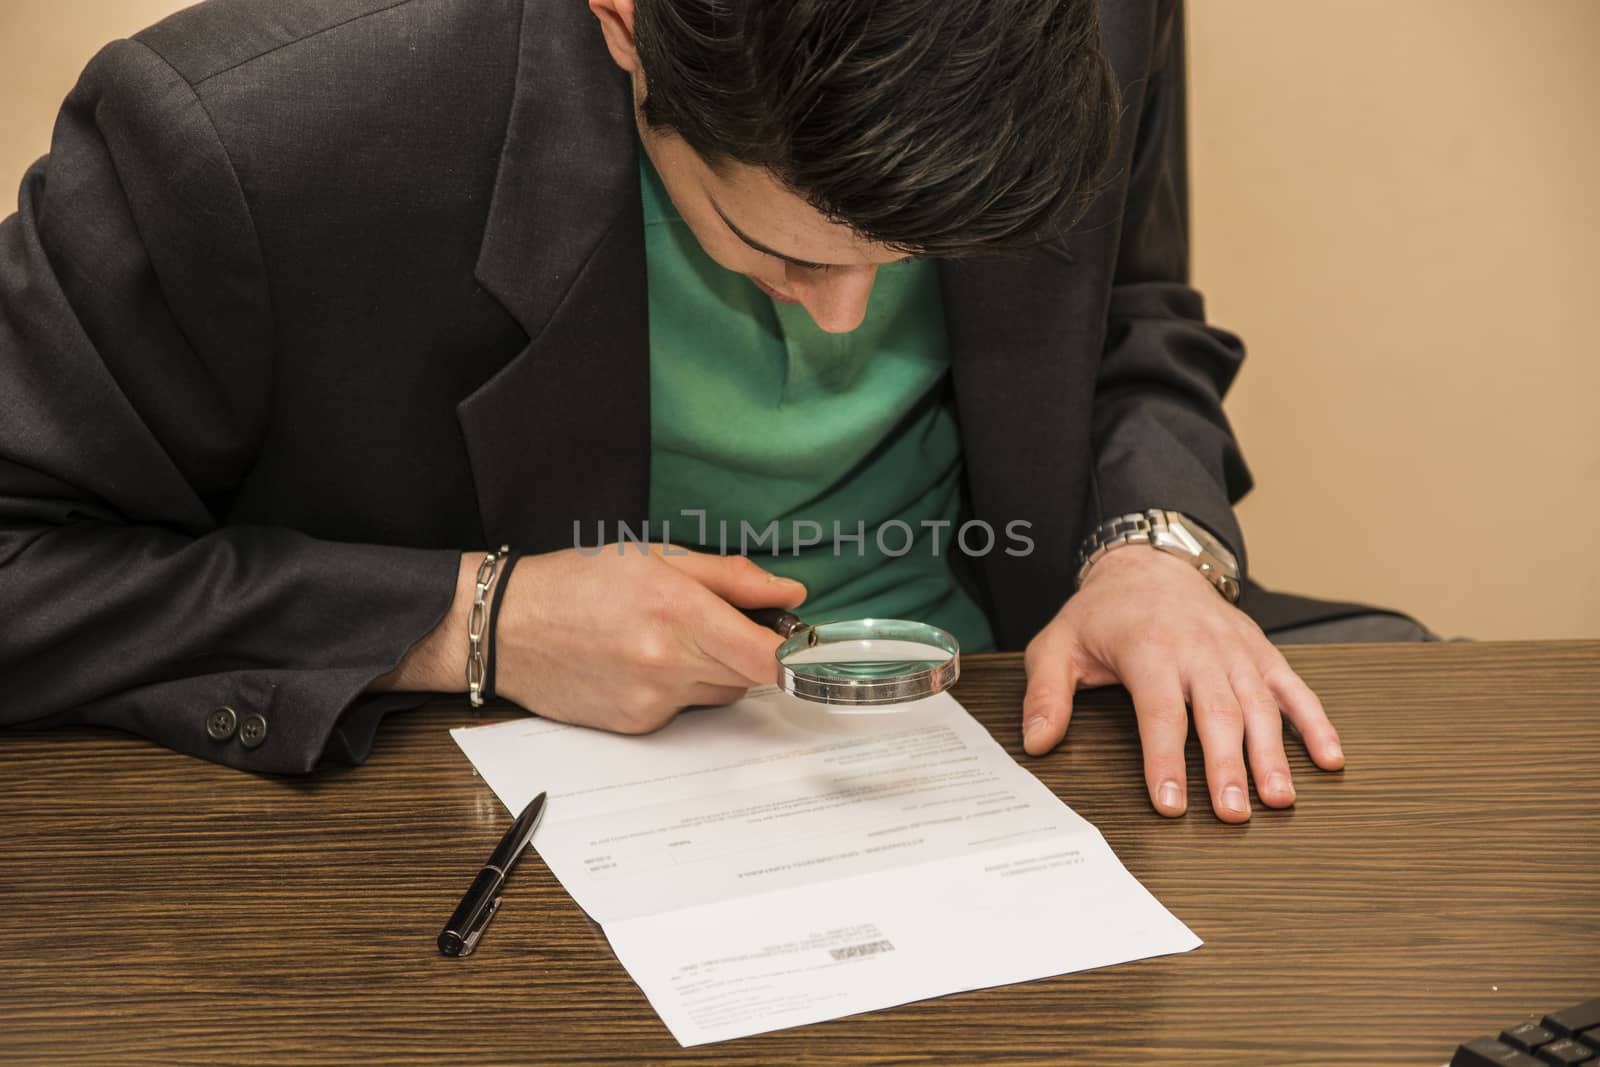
point(620, 638)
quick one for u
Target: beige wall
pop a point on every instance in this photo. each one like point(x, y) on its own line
point(1395, 204)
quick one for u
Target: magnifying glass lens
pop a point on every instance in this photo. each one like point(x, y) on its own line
point(868, 662)
point(865, 659)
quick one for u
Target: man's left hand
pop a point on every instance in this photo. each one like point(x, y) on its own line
point(1152, 622)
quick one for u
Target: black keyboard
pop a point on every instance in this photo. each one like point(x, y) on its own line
point(1570, 1036)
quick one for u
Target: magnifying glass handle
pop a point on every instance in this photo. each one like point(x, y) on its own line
point(783, 623)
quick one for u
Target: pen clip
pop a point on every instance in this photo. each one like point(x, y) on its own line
point(470, 942)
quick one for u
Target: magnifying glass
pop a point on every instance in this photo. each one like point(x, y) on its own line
point(862, 662)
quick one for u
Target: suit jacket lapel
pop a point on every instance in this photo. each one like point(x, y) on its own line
point(1016, 338)
point(562, 432)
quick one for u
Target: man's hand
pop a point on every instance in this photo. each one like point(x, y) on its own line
point(619, 639)
point(1152, 622)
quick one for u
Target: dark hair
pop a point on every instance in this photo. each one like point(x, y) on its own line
point(930, 126)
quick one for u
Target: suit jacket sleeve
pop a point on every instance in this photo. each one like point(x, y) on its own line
point(1161, 438)
point(136, 344)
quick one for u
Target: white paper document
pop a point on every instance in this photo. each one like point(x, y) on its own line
point(770, 863)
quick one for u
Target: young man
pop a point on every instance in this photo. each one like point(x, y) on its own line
point(313, 301)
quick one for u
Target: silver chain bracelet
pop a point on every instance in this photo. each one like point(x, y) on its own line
point(488, 572)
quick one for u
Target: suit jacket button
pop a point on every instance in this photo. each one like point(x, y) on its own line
point(253, 731)
point(221, 723)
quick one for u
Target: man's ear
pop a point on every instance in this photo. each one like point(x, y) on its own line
point(616, 22)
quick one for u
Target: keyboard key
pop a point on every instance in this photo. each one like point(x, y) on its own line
point(1571, 1021)
point(1528, 1037)
point(1488, 1052)
point(1566, 1053)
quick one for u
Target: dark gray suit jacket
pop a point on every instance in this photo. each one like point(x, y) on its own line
point(310, 296)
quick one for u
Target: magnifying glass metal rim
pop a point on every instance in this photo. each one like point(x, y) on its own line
point(868, 692)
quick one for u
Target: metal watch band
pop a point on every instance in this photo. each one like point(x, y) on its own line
point(1154, 528)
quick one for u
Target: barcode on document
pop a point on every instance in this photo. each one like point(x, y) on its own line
point(870, 948)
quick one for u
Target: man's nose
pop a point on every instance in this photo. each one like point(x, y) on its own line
point(836, 298)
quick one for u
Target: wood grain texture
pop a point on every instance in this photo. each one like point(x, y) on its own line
point(155, 909)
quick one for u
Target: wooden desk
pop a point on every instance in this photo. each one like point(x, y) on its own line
point(157, 909)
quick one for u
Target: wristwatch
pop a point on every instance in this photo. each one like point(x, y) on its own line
point(1169, 531)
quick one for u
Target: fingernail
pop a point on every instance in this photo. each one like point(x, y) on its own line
point(1233, 799)
point(1033, 727)
point(1335, 751)
point(1279, 785)
point(1170, 795)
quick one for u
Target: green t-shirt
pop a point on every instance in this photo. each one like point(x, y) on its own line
point(783, 434)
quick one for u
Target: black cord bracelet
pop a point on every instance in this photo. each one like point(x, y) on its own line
point(494, 620)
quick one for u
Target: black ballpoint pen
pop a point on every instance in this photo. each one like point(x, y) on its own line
point(460, 935)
